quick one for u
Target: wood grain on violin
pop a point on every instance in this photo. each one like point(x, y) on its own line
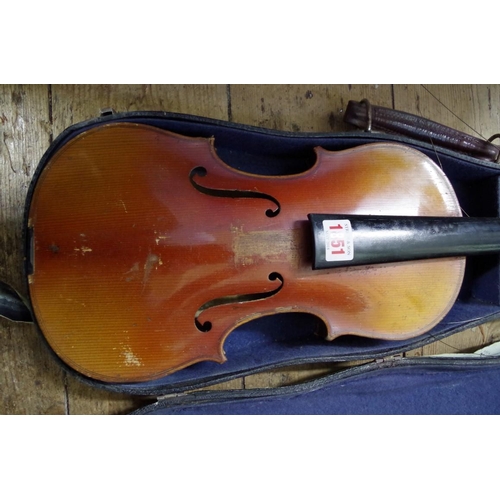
point(147, 250)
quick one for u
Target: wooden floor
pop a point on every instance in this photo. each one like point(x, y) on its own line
point(31, 116)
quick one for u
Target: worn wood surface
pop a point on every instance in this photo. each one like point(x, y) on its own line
point(32, 116)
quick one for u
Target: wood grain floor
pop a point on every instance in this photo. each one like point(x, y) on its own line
point(32, 116)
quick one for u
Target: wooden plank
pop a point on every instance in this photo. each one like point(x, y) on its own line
point(462, 342)
point(294, 375)
point(473, 109)
point(74, 103)
point(31, 382)
point(304, 108)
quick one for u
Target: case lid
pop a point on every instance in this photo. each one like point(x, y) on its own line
point(466, 384)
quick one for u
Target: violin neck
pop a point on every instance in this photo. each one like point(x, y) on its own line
point(351, 240)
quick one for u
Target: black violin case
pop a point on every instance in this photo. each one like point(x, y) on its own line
point(385, 382)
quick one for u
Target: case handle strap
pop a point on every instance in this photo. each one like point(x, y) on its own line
point(12, 306)
point(364, 115)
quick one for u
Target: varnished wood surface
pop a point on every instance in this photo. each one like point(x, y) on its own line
point(129, 258)
point(31, 116)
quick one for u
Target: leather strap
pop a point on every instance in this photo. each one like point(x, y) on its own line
point(377, 118)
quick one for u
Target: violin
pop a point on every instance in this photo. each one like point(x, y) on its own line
point(146, 250)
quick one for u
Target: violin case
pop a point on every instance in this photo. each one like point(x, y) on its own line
point(385, 381)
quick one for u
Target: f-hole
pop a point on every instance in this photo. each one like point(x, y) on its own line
point(231, 193)
point(231, 299)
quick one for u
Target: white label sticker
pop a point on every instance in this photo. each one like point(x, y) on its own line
point(338, 240)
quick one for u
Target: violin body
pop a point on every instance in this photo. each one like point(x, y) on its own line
point(147, 250)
